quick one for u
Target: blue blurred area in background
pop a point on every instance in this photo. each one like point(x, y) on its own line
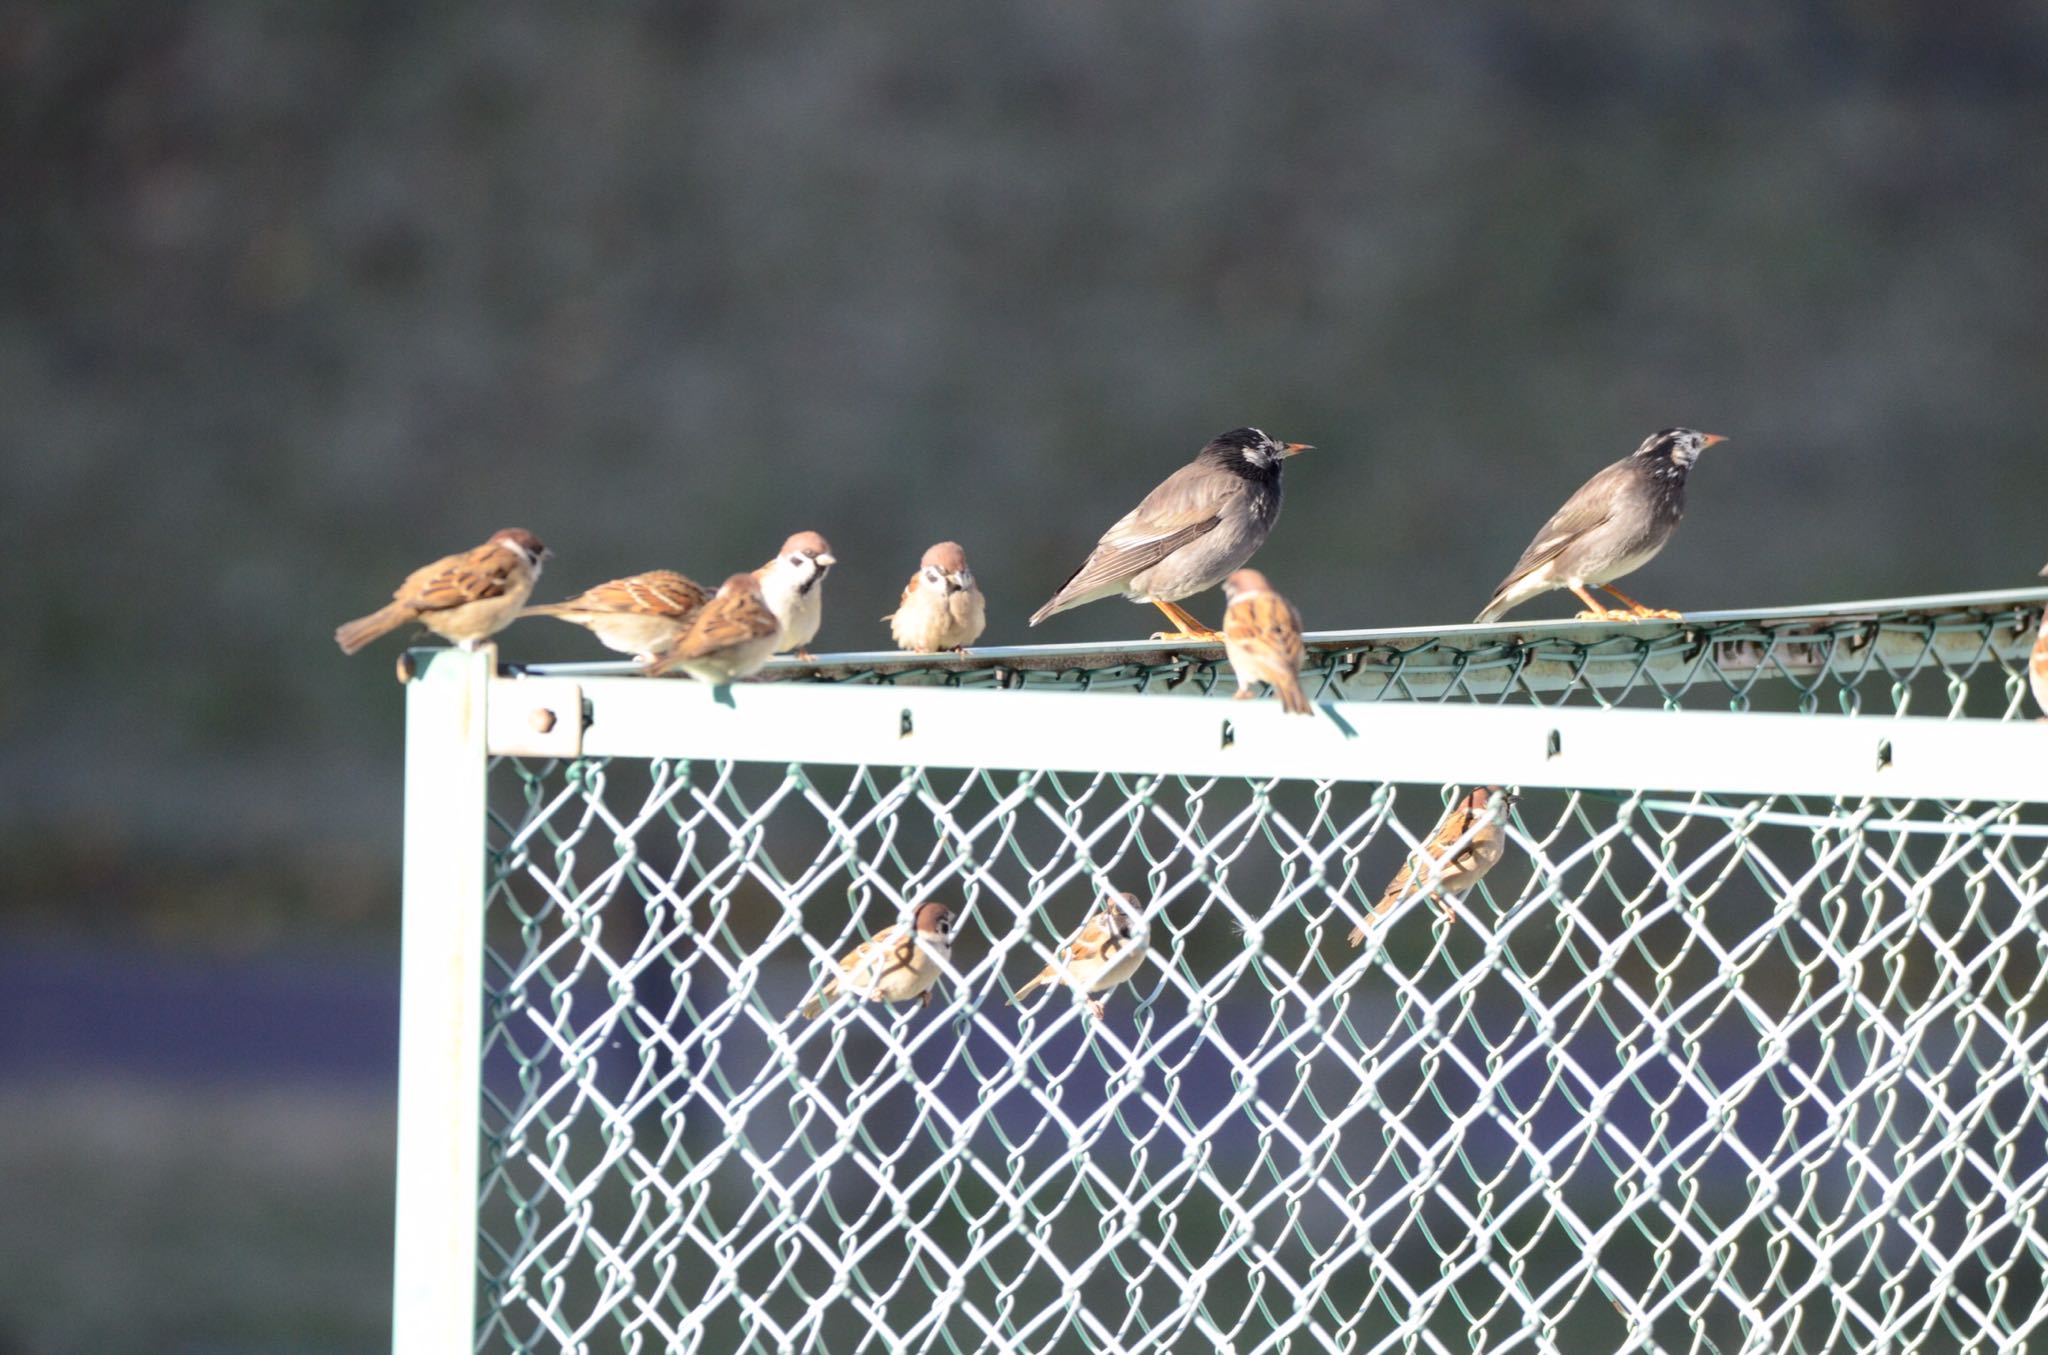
point(67, 1008)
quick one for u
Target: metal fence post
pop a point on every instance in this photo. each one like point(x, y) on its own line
point(441, 1004)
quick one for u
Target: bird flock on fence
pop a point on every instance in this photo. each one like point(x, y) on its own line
point(1196, 530)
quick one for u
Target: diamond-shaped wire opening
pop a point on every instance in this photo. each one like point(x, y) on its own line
point(1682, 1072)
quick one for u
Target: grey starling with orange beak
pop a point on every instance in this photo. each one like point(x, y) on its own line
point(1616, 522)
point(1201, 523)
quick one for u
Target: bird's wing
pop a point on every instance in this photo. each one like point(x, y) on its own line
point(472, 576)
point(866, 962)
point(1096, 941)
point(1455, 823)
point(659, 592)
point(725, 622)
point(1588, 508)
point(1187, 504)
point(909, 591)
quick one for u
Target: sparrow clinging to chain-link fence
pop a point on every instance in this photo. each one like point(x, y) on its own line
point(1107, 950)
point(896, 964)
point(1465, 844)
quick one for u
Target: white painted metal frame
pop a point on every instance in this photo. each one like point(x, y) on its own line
point(461, 712)
point(1894, 757)
point(441, 997)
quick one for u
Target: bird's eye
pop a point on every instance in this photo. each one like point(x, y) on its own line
point(796, 559)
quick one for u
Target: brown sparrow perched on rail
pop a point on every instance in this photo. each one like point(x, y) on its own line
point(794, 585)
point(732, 636)
point(894, 965)
point(2037, 667)
point(640, 615)
point(466, 598)
point(1465, 844)
point(1107, 950)
point(1262, 636)
point(941, 606)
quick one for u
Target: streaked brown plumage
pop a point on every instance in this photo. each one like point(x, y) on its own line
point(894, 965)
point(1262, 636)
point(641, 615)
point(1107, 950)
point(1465, 844)
point(731, 637)
point(465, 598)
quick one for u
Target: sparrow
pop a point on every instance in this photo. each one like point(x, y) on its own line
point(1613, 525)
point(1107, 950)
point(731, 637)
point(466, 598)
point(1465, 844)
point(1262, 636)
point(941, 607)
point(2037, 667)
point(640, 615)
point(896, 964)
point(793, 583)
point(1202, 522)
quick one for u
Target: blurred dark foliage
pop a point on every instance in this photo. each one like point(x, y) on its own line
point(296, 297)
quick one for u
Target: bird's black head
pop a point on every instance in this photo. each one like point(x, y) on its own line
point(1250, 453)
point(1678, 447)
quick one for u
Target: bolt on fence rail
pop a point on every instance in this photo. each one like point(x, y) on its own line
point(1737, 1047)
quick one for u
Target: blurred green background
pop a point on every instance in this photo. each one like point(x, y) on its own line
point(295, 298)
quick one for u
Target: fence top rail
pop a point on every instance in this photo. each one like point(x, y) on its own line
point(1827, 649)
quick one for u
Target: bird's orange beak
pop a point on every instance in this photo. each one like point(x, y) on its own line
point(1713, 438)
point(1296, 448)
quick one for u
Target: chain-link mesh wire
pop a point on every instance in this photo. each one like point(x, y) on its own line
point(1940, 657)
point(1684, 1072)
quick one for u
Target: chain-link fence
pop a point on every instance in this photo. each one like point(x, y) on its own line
point(1710, 1059)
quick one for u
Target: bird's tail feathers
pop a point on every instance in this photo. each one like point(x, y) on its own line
point(1503, 598)
point(816, 1006)
point(1018, 996)
point(1292, 699)
point(1056, 605)
point(364, 629)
